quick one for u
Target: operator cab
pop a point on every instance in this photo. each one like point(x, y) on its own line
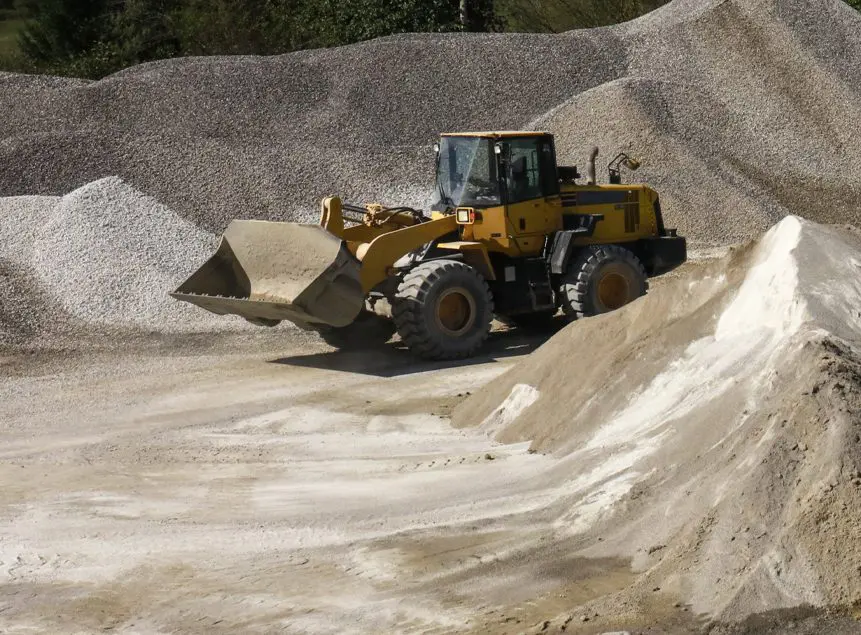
point(490, 169)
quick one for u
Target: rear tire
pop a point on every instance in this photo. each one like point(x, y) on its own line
point(443, 310)
point(602, 278)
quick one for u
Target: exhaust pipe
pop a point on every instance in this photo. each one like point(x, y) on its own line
point(591, 179)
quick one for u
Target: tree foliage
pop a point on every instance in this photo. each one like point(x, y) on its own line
point(356, 20)
point(60, 29)
point(92, 38)
point(230, 27)
point(556, 16)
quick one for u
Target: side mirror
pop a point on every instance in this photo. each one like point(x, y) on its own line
point(436, 148)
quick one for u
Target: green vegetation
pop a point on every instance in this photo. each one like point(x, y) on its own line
point(556, 16)
point(10, 26)
point(10, 54)
point(92, 38)
point(9, 29)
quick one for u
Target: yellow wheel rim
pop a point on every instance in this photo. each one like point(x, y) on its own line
point(455, 311)
point(613, 291)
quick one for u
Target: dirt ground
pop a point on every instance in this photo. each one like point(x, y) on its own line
point(257, 483)
point(263, 483)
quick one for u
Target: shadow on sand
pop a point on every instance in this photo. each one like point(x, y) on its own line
point(393, 359)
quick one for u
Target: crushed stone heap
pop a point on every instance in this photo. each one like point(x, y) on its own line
point(743, 111)
point(104, 256)
point(714, 436)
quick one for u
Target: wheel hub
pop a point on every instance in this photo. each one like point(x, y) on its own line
point(613, 291)
point(455, 311)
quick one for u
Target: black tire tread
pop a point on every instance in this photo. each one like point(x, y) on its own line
point(576, 303)
point(409, 306)
point(366, 332)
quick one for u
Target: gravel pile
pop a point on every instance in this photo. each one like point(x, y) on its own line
point(104, 255)
point(26, 312)
point(219, 138)
point(695, 374)
point(743, 111)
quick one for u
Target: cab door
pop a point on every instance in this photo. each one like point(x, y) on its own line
point(531, 196)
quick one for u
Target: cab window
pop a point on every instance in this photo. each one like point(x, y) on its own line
point(530, 169)
point(466, 173)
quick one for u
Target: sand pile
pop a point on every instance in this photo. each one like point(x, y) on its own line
point(711, 431)
point(743, 110)
point(104, 255)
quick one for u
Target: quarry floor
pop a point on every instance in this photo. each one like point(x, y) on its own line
point(252, 483)
point(259, 483)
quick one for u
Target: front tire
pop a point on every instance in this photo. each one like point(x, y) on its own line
point(601, 279)
point(443, 310)
point(367, 331)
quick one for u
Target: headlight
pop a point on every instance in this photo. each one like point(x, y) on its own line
point(465, 216)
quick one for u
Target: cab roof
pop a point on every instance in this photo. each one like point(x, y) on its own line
point(498, 134)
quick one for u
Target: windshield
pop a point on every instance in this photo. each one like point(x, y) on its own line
point(466, 173)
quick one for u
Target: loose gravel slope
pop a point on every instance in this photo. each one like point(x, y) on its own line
point(103, 257)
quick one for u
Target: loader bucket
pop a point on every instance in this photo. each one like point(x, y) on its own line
point(267, 272)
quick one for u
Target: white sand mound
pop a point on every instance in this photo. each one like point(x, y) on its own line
point(103, 255)
point(743, 111)
point(711, 432)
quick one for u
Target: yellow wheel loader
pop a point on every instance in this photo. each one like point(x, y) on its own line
point(511, 234)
